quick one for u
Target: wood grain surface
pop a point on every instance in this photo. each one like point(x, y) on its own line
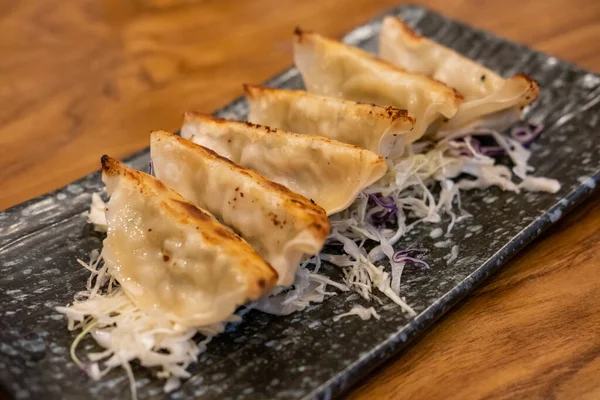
point(81, 78)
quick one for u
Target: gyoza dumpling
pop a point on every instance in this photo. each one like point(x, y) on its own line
point(172, 259)
point(327, 171)
point(334, 69)
point(490, 100)
point(282, 226)
point(375, 128)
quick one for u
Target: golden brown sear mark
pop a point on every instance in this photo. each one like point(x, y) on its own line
point(193, 211)
point(268, 129)
point(274, 219)
point(226, 233)
point(248, 89)
point(161, 186)
point(458, 95)
point(395, 113)
point(110, 166)
point(409, 31)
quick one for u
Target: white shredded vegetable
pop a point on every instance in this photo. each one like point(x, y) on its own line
point(540, 184)
point(97, 215)
point(453, 255)
point(360, 311)
point(409, 185)
point(127, 333)
point(308, 288)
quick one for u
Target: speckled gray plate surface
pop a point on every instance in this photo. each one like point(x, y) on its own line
point(304, 355)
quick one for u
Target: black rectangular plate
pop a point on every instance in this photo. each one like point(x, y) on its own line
point(304, 355)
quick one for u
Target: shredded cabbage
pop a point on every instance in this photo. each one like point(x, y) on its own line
point(308, 288)
point(539, 184)
point(362, 312)
point(406, 193)
point(97, 215)
point(453, 254)
point(127, 333)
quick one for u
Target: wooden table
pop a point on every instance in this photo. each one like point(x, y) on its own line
point(83, 78)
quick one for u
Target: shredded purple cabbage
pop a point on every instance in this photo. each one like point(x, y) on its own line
point(408, 256)
point(412, 260)
point(389, 209)
point(402, 253)
point(492, 151)
point(389, 204)
point(527, 134)
point(522, 134)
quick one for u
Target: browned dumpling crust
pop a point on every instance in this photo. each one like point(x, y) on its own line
point(329, 172)
point(335, 69)
point(383, 130)
point(282, 226)
point(174, 260)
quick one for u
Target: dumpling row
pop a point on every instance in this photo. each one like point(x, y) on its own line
point(441, 89)
point(205, 234)
point(232, 211)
